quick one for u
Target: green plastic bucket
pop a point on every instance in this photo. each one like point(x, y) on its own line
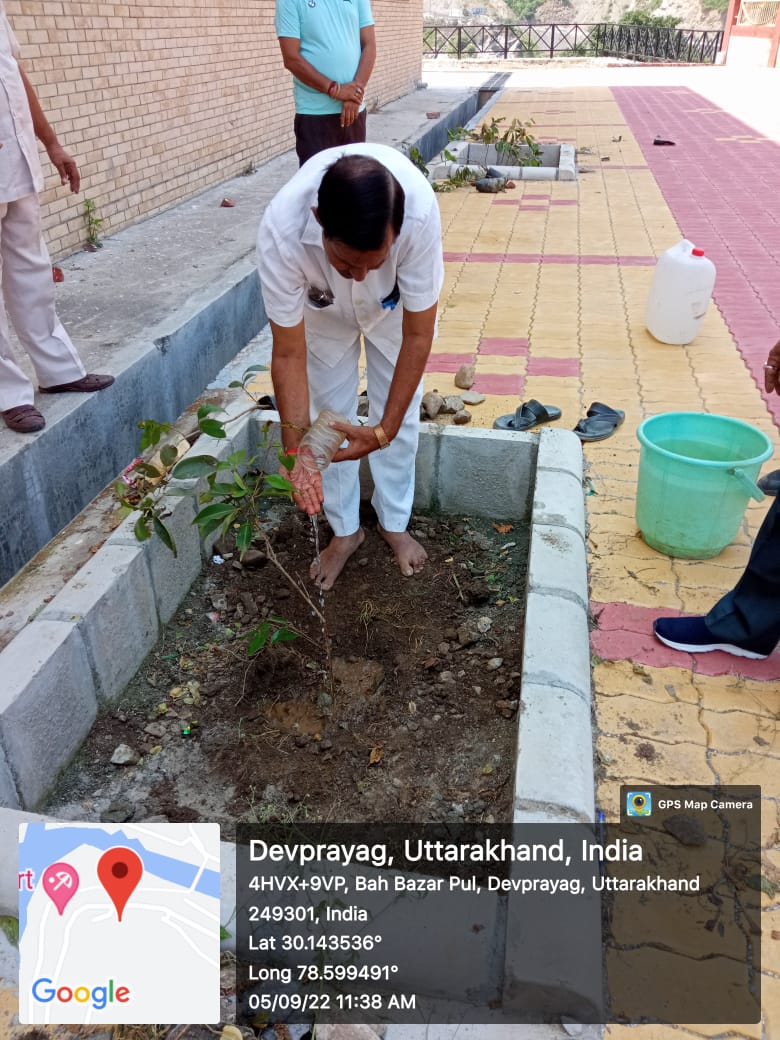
point(697, 473)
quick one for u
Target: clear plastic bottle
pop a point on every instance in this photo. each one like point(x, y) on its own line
point(320, 442)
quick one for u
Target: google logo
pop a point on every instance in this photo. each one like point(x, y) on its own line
point(45, 992)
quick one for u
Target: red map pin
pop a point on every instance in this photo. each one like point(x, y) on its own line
point(120, 871)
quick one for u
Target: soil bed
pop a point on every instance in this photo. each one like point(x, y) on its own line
point(419, 724)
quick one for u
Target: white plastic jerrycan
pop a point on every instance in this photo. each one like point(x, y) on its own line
point(680, 294)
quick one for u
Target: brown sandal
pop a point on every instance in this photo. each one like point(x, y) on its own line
point(86, 385)
point(25, 418)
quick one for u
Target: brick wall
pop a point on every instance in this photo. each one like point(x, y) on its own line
point(161, 100)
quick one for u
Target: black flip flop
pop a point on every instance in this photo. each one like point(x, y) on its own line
point(527, 416)
point(601, 422)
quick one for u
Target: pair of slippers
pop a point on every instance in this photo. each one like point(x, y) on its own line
point(600, 422)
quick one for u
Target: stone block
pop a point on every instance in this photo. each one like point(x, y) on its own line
point(111, 602)
point(47, 704)
point(485, 472)
point(554, 767)
point(560, 450)
point(557, 563)
point(556, 650)
point(171, 575)
point(558, 500)
point(567, 163)
point(8, 796)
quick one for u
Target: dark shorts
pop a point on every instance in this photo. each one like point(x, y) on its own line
point(316, 133)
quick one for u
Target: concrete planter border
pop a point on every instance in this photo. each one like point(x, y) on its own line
point(84, 647)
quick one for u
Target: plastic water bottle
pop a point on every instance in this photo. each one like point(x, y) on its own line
point(680, 294)
point(320, 442)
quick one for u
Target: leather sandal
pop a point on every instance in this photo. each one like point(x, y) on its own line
point(601, 422)
point(86, 385)
point(527, 415)
point(25, 418)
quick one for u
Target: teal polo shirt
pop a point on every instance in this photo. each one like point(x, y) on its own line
point(329, 31)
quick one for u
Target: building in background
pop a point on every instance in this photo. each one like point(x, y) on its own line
point(159, 102)
point(752, 33)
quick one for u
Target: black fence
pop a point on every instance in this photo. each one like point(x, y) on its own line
point(601, 39)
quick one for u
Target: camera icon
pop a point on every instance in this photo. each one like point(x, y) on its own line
point(639, 803)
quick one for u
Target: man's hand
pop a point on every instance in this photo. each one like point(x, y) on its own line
point(352, 91)
point(308, 487)
point(65, 165)
point(772, 370)
point(362, 441)
point(349, 113)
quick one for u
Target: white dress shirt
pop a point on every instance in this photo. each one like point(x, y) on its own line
point(291, 261)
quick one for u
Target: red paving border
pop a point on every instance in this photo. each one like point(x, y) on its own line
point(625, 633)
point(723, 194)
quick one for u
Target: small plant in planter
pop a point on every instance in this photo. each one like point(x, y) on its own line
point(230, 503)
point(514, 145)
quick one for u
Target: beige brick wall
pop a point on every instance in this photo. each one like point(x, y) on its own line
point(160, 100)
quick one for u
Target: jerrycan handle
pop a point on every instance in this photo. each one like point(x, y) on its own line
point(748, 486)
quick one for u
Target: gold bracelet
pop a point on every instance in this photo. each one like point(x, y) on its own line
point(382, 437)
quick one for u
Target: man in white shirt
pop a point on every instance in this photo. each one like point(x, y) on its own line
point(351, 246)
point(28, 286)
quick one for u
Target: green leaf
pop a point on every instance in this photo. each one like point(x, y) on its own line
point(235, 385)
point(288, 461)
point(244, 537)
point(221, 489)
point(239, 483)
point(10, 927)
point(254, 368)
point(258, 640)
point(283, 635)
point(164, 535)
point(278, 483)
point(236, 458)
point(223, 932)
point(208, 409)
point(212, 428)
point(141, 529)
point(168, 455)
point(217, 511)
point(147, 469)
point(208, 526)
point(195, 466)
point(152, 432)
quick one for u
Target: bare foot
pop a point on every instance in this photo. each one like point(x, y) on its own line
point(333, 558)
point(409, 554)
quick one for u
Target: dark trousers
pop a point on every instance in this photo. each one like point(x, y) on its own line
point(316, 133)
point(750, 613)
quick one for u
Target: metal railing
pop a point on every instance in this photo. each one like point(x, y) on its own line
point(638, 42)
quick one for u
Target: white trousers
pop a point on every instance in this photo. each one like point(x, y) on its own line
point(392, 469)
point(28, 293)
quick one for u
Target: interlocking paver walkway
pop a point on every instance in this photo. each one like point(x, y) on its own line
point(545, 292)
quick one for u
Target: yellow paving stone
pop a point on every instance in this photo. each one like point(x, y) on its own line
point(770, 1000)
point(739, 731)
point(699, 600)
point(638, 760)
point(616, 588)
point(730, 692)
point(629, 971)
point(649, 570)
point(748, 768)
point(669, 722)
point(665, 686)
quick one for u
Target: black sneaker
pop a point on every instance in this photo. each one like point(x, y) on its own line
point(770, 482)
point(691, 635)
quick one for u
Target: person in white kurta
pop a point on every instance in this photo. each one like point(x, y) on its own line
point(28, 286)
point(352, 246)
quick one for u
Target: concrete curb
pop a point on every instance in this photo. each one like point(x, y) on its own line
point(48, 481)
point(90, 640)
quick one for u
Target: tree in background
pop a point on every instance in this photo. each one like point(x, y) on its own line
point(644, 14)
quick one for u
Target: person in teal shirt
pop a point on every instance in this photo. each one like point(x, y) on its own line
point(330, 48)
